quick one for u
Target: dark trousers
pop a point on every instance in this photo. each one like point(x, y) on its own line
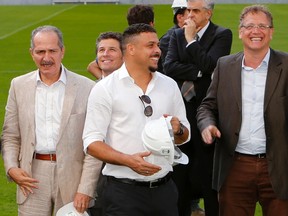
point(96, 210)
point(195, 179)
point(248, 183)
point(120, 199)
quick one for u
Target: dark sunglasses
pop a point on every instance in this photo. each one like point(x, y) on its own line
point(148, 111)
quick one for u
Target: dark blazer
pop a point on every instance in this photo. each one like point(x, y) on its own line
point(223, 107)
point(164, 44)
point(183, 63)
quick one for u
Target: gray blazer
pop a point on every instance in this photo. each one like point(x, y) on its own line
point(76, 171)
point(223, 107)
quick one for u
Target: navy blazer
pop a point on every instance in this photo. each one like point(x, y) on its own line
point(183, 63)
point(223, 107)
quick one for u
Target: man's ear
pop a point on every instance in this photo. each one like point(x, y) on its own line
point(130, 48)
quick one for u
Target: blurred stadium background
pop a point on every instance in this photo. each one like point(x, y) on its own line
point(81, 24)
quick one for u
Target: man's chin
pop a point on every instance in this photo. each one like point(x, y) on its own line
point(153, 69)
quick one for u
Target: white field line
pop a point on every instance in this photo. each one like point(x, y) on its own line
point(31, 24)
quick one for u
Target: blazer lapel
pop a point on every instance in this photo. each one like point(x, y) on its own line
point(236, 67)
point(30, 89)
point(273, 75)
point(208, 36)
point(69, 99)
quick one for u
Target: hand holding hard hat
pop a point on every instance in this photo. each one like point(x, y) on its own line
point(69, 210)
point(158, 138)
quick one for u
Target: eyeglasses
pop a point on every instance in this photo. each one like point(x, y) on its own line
point(148, 111)
point(260, 26)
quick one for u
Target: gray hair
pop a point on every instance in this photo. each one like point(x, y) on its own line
point(47, 28)
point(209, 3)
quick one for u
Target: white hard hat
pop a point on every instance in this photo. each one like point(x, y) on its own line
point(178, 4)
point(158, 137)
point(69, 210)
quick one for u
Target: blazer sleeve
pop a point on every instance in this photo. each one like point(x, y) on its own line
point(10, 139)
point(208, 110)
point(173, 64)
point(206, 60)
point(185, 63)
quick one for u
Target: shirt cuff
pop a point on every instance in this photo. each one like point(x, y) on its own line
point(190, 43)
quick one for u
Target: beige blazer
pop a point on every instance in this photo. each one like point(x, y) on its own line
point(76, 172)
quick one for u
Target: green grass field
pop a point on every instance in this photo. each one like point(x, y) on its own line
point(81, 24)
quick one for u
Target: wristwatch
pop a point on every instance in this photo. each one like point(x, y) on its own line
point(181, 130)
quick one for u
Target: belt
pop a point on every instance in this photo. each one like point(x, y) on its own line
point(263, 155)
point(49, 157)
point(150, 184)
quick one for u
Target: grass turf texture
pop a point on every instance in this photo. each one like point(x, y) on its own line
point(81, 24)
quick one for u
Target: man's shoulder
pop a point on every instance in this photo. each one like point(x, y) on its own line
point(79, 77)
point(168, 33)
point(279, 53)
point(179, 32)
point(232, 57)
point(165, 78)
point(25, 77)
point(219, 29)
point(278, 57)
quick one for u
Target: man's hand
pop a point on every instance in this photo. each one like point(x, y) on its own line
point(142, 167)
point(21, 178)
point(210, 133)
point(190, 30)
point(81, 202)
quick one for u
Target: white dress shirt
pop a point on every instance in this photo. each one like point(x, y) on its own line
point(48, 109)
point(115, 114)
point(252, 137)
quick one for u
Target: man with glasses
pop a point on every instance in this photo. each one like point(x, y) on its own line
point(192, 56)
point(119, 107)
point(246, 111)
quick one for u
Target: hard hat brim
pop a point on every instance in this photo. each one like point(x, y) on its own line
point(69, 210)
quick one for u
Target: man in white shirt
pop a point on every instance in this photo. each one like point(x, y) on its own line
point(42, 132)
point(109, 58)
point(109, 55)
point(118, 108)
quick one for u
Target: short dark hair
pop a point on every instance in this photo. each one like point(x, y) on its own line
point(135, 30)
point(254, 9)
point(179, 11)
point(109, 35)
point(140, 14)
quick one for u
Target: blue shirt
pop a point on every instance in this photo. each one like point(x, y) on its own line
point(252, 137)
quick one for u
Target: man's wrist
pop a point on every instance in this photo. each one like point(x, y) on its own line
point(181, 130)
